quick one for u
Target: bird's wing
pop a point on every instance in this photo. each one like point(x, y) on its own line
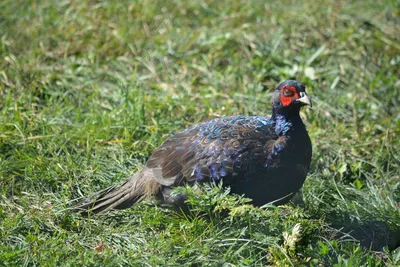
point(222, 148)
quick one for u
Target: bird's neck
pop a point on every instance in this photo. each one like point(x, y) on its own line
point(285, 125)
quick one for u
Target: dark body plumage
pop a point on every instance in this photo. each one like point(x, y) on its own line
point(266, 159)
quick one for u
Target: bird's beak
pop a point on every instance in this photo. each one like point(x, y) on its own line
point(304, 100)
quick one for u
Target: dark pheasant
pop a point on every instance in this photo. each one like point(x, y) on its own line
point(266, 159)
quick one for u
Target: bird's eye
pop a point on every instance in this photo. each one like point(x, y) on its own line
point(287, 92)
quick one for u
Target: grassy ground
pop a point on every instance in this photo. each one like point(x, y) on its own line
point(88, 89)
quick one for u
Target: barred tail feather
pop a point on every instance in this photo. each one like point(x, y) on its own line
point(135, 189)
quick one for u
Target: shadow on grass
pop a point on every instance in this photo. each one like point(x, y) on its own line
point(373, 234)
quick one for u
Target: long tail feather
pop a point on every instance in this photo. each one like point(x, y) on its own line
point(135, 189)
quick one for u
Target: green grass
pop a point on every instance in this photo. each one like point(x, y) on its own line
point(88, 89)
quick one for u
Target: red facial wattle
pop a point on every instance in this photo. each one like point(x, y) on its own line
point(288, 93)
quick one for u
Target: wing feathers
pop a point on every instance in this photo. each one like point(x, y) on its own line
point(219, 148)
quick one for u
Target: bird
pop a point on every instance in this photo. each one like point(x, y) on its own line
point(266, 159)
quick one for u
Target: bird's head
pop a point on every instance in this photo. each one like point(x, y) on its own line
point(289, 97)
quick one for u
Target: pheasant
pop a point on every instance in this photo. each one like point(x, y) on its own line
point(264, 159)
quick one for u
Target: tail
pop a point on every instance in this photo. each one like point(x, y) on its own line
point(135, 189)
